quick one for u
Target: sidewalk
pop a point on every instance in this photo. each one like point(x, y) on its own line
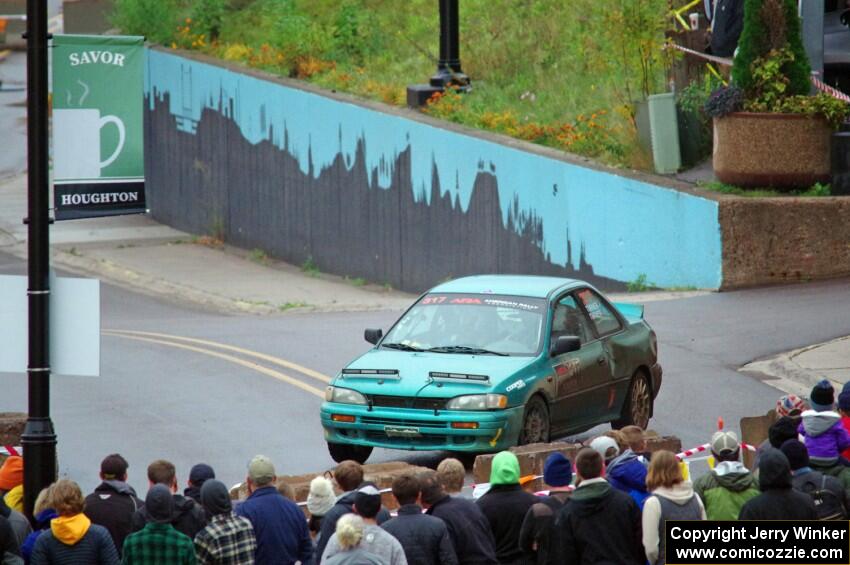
point(797, 371)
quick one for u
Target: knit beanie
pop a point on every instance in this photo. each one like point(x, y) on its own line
point(797, 454)
point(505, 470)
point(201, 473)
point(159, 504)
point(790, 403)
point(844, 400)
point(321, 497)
point(12, 472)
point(822, 397)
point(782, 430)
point(846, 387)
point(215, 498)
point(557, 471)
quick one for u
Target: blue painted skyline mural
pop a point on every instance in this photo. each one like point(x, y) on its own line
point(582, 220)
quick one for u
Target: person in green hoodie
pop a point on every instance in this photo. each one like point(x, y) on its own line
point(505, 506)
point(730, 484)
point(72, 538)
point(599, 524)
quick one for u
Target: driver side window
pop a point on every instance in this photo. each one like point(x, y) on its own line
point(568, 319)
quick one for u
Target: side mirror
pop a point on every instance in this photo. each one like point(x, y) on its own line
point(373, 336)
point(565, 344)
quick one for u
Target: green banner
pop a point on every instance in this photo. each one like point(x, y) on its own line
point(98, 126)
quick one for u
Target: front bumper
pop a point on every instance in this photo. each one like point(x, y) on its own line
point(656, 373)
point(422, 430)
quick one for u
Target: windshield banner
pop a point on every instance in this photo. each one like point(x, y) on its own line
point(98, 137)
point(515, 302)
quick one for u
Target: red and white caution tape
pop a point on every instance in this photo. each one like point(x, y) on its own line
point(705, 446)
point(818, 84)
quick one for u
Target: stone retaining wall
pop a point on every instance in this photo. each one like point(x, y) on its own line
point(782, 240)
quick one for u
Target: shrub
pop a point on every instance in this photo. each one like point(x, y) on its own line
point(771, 26)
point(156, 20)
point(724, 100)
point(208, 17)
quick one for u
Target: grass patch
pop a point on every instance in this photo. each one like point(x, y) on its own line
point(292, 305)
point(357, 281)
point(565, 78)
point(640, 284)
point(816, 190)
point(257, 255)
point(309, 267)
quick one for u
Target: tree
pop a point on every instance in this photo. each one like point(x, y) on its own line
point(772, 25)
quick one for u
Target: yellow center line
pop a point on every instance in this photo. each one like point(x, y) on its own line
point(235, 360)
point(255, 354)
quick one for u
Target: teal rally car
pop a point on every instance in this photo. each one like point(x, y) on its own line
point(483, 363)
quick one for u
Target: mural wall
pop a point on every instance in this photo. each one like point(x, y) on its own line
point(375, 195)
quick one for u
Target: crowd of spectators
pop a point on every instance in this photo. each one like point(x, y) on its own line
point(609, 505)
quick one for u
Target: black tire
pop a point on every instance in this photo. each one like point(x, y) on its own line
point(343, 452)
point(536, 425)
point(637, 408)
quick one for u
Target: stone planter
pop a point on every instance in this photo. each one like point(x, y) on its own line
point(771, 150)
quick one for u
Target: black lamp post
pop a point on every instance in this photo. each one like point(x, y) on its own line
point(38, 439)
point(449, 72)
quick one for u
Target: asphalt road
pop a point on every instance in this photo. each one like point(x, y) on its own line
point(190, 401)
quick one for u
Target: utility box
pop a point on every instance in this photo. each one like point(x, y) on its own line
point(664, 128)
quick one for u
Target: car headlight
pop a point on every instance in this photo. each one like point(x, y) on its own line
point(477, 402)
point(344, 395)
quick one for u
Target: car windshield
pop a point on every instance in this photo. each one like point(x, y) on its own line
point(485, 324)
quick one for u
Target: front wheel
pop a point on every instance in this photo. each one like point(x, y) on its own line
point(535, 422)
point(638, 404)
point(343, 452)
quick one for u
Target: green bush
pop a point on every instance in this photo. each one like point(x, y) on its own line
point(771, 26)
point(156, 20)
point(208, 16)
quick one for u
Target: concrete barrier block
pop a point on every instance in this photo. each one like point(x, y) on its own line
point(532, 457)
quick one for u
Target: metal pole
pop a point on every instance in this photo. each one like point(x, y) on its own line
point(448, 67)
point(39, 439)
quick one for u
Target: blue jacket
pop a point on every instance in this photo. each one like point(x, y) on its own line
point(280, 527)
point(42, 522)
point(628, 474)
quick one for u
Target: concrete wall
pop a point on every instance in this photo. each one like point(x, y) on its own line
point(781, 240)
point(396, 197)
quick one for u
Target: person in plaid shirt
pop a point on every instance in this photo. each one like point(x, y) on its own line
point(228, 539)
point(159, 542)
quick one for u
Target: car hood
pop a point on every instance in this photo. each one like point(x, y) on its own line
point(414, 369)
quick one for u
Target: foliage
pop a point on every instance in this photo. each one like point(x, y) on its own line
point(640, 284)
point(815, 190)
point(309, 267)
point(771, 26)
point(540, 64)
point(693, 97)
point(724, 100)
point(154, 19)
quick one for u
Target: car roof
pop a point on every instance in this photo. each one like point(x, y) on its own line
point(517, 285)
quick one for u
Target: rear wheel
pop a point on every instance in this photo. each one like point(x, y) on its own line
point(535, 422)
point(342, 452)
point(638, 404)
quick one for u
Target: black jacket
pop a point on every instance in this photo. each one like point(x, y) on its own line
point(189, 517)
point(505, 507)
point(112, 505)
point(344, 505)
point(727, 26)
point(598, 525)
point(537, 529)
point(425, 539)
point(778, 500)
point(468, 528)
point(8, 541)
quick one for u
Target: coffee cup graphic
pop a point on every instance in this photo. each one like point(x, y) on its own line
point(77, 143)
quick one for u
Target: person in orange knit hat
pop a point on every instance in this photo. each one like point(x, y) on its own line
point(12, 482)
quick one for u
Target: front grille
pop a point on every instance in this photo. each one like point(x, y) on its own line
point(407, 402)
point(401, 422)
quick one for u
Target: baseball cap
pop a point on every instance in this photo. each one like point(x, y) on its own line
point(789, 405)
point(200, 473)
point(261, 469)
point(113, 466)
point(724, 442)
point(603, 444)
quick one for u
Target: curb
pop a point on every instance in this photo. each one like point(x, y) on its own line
point(784, 373)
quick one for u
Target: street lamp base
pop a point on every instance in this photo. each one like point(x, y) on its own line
point(419, 94)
